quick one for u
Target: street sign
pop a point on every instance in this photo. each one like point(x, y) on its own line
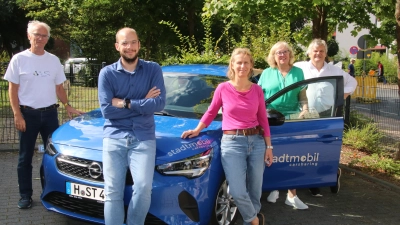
point(353, 50)
point(361, 42)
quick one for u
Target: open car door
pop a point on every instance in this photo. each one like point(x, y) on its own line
point(307, 145)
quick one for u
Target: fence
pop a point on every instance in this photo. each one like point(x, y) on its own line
point(381, 103)
point(81, 88)
point(374, 100)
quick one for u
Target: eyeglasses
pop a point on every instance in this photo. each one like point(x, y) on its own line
point(282, 52)
point(127, 43)
point(44, 36)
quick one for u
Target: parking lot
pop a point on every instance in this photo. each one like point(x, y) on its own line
point(360, 201)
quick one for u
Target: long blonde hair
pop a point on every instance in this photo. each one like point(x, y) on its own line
point(239, 51)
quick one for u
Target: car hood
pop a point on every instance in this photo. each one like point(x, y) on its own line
point(86, 131)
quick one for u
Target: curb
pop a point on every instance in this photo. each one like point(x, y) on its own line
point(373, 179)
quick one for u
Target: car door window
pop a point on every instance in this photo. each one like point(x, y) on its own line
point(318, 95)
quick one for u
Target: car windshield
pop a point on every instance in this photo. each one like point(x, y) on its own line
point(189, 95)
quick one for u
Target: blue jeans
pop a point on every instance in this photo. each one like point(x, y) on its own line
point(139, 156)
point(243, 162)
point(43, 122)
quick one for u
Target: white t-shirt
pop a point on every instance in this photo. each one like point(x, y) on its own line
point(37, 76)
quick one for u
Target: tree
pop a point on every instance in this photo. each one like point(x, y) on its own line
point(91, 24)
point(324, 15)
point(12, 27)
point(397, 16)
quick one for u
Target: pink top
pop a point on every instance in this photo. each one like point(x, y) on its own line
point(240, 110)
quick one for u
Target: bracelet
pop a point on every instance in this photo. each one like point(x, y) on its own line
point(270, 146)
point(65, 104)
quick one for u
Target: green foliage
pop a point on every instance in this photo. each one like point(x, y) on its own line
point(4, 57)
point(188, 52)
point(333, 47)
point(358, 120)
point(366, 138)
point(390, 66)
point(376, 162)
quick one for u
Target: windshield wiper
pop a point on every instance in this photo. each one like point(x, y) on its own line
point(163, 113)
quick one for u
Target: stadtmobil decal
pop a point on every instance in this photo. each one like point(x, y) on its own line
point(298, 160)
point(192, 146)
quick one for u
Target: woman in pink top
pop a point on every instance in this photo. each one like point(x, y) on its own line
point(246, 142)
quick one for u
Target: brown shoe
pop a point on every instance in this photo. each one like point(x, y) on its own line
point(260, 218)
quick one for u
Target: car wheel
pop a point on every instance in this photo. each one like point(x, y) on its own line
point(225, 211)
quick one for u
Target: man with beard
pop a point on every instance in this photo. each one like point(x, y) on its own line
point(130, 91)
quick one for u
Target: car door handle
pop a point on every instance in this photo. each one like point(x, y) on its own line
point(328, 139)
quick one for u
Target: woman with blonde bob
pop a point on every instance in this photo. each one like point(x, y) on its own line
point(293, 104)
point(245, 149)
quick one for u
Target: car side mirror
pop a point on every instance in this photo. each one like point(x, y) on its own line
point(275, 118)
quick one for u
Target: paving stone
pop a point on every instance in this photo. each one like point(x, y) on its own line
point(360, 201)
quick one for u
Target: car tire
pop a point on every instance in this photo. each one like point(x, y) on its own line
point(225, 211)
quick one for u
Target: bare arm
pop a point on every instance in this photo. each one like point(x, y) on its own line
point(63, 98)
point(304, 102)
point(268, 157)
point(19, 120)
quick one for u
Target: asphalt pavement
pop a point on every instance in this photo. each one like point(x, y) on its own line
point(361, 200)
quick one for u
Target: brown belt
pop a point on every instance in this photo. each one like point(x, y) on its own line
point(245, 132)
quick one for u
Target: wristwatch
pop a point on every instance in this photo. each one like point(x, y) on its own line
point(270, 147)
point(65, 104)
point(126, 103)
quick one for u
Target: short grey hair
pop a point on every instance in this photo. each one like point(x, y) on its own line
point(35, 23)
point(315, 43)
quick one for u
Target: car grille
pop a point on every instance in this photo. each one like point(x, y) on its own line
point(88, 207)
point(79, 167)
point(84, 169)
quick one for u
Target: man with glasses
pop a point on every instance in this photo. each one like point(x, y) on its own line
point(130, 91)
point(35, 81)
point(320, 95)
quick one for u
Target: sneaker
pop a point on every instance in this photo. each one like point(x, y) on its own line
point(260, 218)
point(273, 196)
point(335, 189)
point(25, 203)
point(295, 202)
point(315, 192)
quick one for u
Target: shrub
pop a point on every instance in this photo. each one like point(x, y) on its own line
point(358, 120)
point(366, 138)
point(375, 162)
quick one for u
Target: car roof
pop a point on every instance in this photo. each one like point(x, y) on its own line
point(202, 69)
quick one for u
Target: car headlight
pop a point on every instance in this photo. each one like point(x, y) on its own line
point(192, 167)
point(50, 149)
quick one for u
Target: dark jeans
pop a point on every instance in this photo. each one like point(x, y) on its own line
point(43, 122)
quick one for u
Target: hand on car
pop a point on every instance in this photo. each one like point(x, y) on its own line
point(71, 110)
point(190, 134)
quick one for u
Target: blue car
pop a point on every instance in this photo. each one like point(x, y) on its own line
point(189, 186)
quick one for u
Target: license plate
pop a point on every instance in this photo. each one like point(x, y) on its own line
point(84, 191)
